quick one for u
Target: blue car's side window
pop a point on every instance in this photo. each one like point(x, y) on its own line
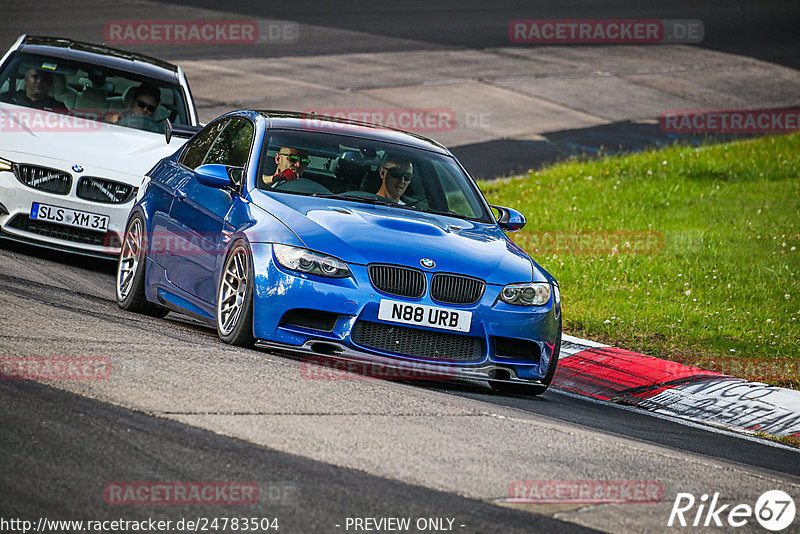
point(232, 146)
point(198, 147)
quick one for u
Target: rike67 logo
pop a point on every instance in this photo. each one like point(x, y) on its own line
point(774, 510)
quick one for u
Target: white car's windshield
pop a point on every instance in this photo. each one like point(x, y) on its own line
point(91, 91)
point(363, 170)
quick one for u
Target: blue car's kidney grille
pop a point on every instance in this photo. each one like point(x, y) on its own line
point(400, 281)
point(50, 180)
point(456, 289)
point(106, 191)
point(416, 342)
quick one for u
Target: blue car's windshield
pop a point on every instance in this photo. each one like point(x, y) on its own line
point(363, 170)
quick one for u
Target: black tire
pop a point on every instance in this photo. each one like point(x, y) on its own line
point(235, 297)
point(532, 390)
point(131, 270)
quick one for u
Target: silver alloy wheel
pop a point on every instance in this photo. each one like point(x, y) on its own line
point(233, 290)
point(129, 259)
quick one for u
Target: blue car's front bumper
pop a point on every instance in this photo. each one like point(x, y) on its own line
point(339, 317)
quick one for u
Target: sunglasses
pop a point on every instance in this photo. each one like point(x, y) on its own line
point(144, 105)
point(295, 159)
point(394, 172)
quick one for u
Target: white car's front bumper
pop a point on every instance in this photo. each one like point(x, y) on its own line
point(17, 198)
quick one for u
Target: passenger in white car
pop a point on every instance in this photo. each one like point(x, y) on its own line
point(37, 85)
point(144, 103)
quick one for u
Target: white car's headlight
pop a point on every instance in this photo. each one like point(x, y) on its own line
point(307, 261)
point(532, 294)
point(6, 165)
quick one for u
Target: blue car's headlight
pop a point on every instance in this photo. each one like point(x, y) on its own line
point(532, 294)
point(307, 261)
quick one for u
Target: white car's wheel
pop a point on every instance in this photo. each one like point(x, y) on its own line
point(235, 298)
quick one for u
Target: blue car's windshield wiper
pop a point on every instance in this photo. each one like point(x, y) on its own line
point(356, 198)
point(446, 213)
point(383, 201)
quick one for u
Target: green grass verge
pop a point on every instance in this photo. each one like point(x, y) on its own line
point(690, 254)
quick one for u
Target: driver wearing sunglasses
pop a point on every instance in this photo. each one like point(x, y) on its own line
point(395, 176)
point(291, 164)
point(144, 103)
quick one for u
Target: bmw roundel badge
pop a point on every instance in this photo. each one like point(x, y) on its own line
point(77, 168)
point(428, 264)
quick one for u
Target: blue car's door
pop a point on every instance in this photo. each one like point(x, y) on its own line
point(198, 217)
point(169, 237)
point(166, 177)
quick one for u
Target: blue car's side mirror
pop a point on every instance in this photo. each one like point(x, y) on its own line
point(509, 220)
point(216, 175)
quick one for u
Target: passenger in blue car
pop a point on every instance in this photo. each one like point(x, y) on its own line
point(395, 176)
point(291, 163)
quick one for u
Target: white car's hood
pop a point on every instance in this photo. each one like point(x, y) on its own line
point(59, 141)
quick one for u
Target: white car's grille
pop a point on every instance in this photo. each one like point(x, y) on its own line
point(106, 191)
point(50, 180)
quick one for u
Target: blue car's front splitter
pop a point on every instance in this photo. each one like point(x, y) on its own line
point(376, 366)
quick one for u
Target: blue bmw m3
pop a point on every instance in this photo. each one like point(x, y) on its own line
point(340, 239)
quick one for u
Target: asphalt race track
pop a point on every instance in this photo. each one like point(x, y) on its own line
point(181, 406)
point(338, 448)
point(95, 440)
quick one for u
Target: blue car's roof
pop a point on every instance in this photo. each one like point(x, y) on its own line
point(313, 122)
point(100, 55)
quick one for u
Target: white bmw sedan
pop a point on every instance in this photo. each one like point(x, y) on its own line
point(80, 124)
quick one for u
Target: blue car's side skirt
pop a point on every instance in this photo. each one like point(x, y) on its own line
point(159, 290)
point(177, 303)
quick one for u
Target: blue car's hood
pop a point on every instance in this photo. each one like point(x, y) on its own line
point(365, 233)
